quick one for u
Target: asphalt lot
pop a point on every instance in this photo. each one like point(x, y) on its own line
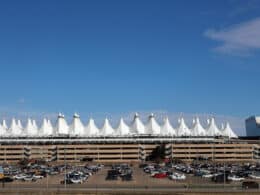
point(142, 183)
point(140, 180)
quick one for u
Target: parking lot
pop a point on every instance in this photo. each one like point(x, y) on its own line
point(85, 177)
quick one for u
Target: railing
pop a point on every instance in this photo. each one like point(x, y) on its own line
point(105, 139)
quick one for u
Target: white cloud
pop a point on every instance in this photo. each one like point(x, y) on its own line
point(240, 39)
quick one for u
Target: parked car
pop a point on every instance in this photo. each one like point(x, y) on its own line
point(38, 176)
point(208, 175)
point(235, 178)
point(160, 175)
point(177, 176)
point(29, 178)
point(254, 175)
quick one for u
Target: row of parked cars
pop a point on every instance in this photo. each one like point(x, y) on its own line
point(158, 171)
point(30, 172)
point(229, 172)
point(123, 171)
point(246, 173)
point(80, 174)
point(215, 172)
point(34, 172)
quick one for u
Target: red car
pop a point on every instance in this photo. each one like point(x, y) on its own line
point(160, 175)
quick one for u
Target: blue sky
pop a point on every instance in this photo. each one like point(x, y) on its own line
point(117, 57)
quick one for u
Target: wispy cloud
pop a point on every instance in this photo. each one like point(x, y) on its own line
point(21, 101)
point(9, 113)
point(240, 39)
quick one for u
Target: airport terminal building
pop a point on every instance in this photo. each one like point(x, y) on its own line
point(125, 143)
point(253, 126)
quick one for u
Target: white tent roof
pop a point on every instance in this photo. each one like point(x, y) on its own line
point(76, 127)
point(4, 125)
point(152, 126)
point(91, 129)
point(30, 129)
point(107, 129)
point(35, 124)
point(35, 131)
point(183, 130)
point(212, 129)
point(43, 127)
point(167, 129)
point(122, 128)
point(197, 129)
point(62, 127)
point(2, 130)
point(137, 126)
point(46, 128)
point(227, 131)
point(50, 126)
point(14, 129)
point(19, 124)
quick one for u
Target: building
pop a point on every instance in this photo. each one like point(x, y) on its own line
point(136, 128)
point(128, 150)
point(123, 143)
point(253, 126)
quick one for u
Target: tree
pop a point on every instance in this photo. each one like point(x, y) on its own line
point(158, 153)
